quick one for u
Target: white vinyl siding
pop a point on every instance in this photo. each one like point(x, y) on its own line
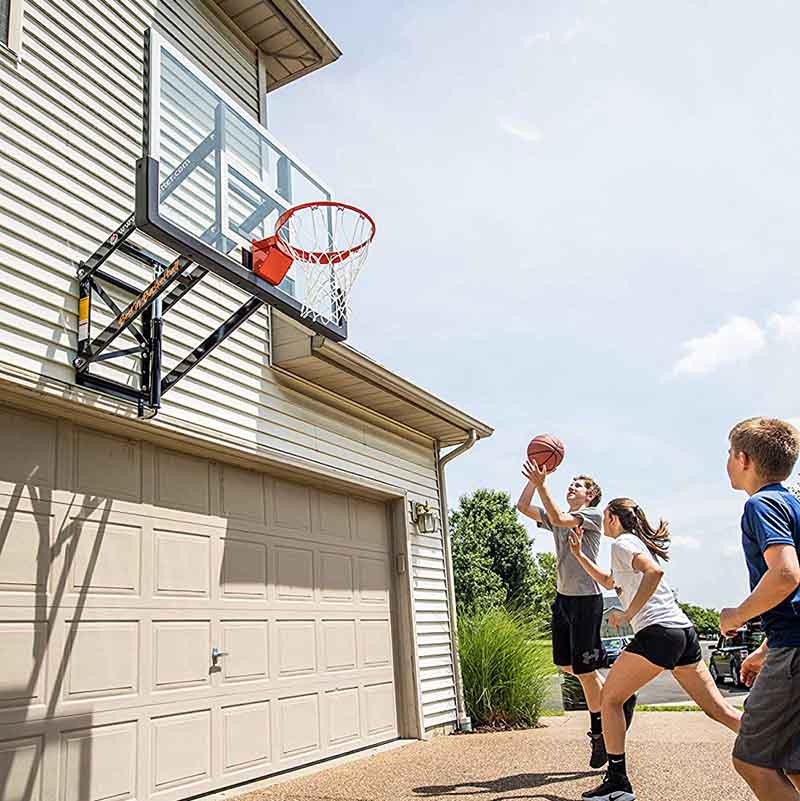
point(70, 134)
point(72, 118)
point(433, 630)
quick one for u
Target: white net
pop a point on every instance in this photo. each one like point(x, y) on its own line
point(330, 243)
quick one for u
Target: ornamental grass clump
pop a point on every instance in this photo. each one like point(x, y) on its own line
point(505, 666)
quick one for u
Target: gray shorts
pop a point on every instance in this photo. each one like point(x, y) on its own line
point(770, 733)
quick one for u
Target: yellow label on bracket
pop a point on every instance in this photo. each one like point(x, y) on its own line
point(83, 310)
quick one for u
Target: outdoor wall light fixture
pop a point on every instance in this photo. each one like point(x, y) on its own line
point(425, 519)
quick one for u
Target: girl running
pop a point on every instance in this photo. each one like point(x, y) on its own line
point(664, 637)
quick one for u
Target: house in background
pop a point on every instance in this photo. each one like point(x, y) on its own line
point(253, 580)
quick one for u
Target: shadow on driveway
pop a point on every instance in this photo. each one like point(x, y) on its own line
point(520, 781)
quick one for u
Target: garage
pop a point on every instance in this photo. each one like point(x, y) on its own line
point(173, 624)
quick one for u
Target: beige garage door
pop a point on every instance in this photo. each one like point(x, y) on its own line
point(124, 568)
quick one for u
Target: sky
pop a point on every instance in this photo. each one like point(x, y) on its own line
point(587, 221)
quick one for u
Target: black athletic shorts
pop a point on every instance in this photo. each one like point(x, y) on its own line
point(576, 632)
point(667, 647)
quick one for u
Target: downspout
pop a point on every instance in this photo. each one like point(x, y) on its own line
point(464, 723)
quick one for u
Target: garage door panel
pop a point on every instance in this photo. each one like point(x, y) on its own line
point(339, 645)
point(99, 763)
point(25, 542)
point(290, 507)
point(99, 554)
point(293, 574)
point(246, 647)
point(103, 659)
point(376, 643)
point(336, 578)
point(243, 569)
point(181, 564)
point(28, 443)
point(181, 654)
point(379, 709)
point(343, 716)
point(332, 516)
point(296, 648)
point(373, 580)
point(182, 482)
point(24, 645)
point(242, 494)
point(246, 737)
point(180, 748)
point(299, 727)
point(371, 526)
point(21, 768)
point(99, 557)
point(107, 466)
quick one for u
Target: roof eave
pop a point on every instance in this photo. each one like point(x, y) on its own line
point(358, 362)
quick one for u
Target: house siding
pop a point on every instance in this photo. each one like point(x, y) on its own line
point(71, 131)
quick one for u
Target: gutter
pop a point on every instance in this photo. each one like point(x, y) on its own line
point(464, 723)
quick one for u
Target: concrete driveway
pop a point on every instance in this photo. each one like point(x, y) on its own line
point(672, 756)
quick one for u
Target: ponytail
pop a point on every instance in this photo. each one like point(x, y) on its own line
point(633, 519)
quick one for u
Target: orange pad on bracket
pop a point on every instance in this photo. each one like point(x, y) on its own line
point(269, 261)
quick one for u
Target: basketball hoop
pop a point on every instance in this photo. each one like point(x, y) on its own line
point(330, 241)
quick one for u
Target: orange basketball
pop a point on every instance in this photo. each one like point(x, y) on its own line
point(547, 451)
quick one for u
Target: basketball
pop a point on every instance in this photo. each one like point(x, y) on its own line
point(546, 451)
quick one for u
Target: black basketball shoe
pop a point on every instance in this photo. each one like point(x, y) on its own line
point(615, 787)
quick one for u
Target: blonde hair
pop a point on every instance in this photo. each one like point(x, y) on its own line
point(593, 487)
point(772, 444)
point(633, 519)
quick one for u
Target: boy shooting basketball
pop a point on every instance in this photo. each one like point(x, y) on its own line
point(766, 754)
point(578, 610)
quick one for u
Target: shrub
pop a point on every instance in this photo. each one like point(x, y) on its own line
point(505, 667)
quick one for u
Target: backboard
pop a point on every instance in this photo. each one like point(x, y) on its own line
point(212, 180)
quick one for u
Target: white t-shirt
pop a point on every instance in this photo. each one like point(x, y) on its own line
point(661, 607)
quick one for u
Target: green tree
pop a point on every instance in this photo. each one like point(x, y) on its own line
point(706, 621)
point(492, 562)
point(540, 593)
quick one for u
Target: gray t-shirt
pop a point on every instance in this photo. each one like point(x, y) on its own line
point(572, 578)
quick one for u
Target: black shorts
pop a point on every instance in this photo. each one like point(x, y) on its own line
point(576, 632)
point(667, 647)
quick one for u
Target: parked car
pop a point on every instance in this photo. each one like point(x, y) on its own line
point(614, 647)
point(725, 660)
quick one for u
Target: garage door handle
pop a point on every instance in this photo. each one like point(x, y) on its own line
point(216, 653)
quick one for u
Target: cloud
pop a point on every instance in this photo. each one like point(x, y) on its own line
point(786, 327)
point(735, 341)
point(527, 133)
point(530, 41)
point(581, 25)
point(686, 542)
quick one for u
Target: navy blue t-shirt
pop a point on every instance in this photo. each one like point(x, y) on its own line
point(772, 517)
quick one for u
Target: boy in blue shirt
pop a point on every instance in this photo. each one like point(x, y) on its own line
point(763, 452)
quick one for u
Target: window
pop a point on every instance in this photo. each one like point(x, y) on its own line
point(10, 25)
point(5, 13)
